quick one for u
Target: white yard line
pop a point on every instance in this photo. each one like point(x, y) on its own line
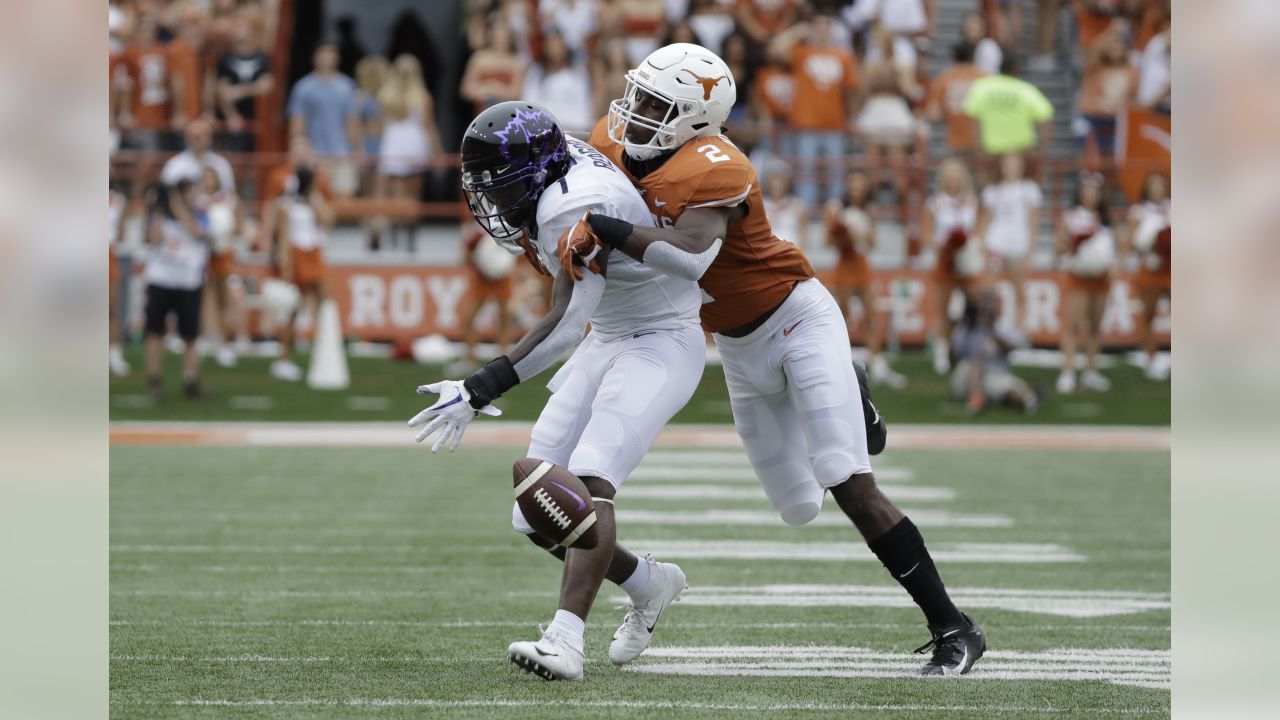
point(766, 518)
point(525, 704)
point(1064, 603)
point(673, 491)
point(670, 625)
point(658, 472)
point(1123, 666)
point(848, 551)
point(513, 434)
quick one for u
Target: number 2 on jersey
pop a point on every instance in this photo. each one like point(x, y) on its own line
point(713, 153)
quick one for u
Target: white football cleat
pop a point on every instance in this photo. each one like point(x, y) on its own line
point(636, 631)
point(1066, 383)
point(286, 370)
point(882, 374)
point(552, 657)
point(226, 357)
point(941, 357)
point(1094, 380)
point(119, 366)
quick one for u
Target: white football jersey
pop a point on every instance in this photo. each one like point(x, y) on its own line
point(636, 298)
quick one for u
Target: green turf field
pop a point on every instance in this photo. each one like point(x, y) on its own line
point(384, 390)
point(356, 583)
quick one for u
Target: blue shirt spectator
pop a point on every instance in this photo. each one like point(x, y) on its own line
point(322, 106)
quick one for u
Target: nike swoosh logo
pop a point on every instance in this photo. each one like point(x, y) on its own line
point(642, 334)
point(876, 410)
point(544, 654)
point(787, 331)
point(581, 503)
point(658, 203)
point(913, 569)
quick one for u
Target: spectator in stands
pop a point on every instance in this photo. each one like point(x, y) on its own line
point(678, 32)
point(371, 75)
point(190, 76)
point(760, 20)
point(1148, 18)
point(495, 73)
point(771, 101)
point(1009, 23)
point(574, 20)
point(301, 223)
point(908, 18)
point(410, 136)
point(177, 253)
point(712, 22)
point(150, 114)
point(640, 22)
point(117, 213)
point(825, 107)
point(322, 107)
point(1043, 59)
point(851, 229)
point(787, 213)
point(948, 226)
point(120, 81)
point(1009, 223)
point(981, 346)
point(886, 123)
point(244, 76)
point(561, 85)
point(1149, 238)
point(1155, 74)
point(1086, 246)
point(1008, 111)
point(740, 123)
point(1094, 17)
point(608, 74)
point(987, 54)
point(1108, 83)
point(947, 94)
point(190, 164)
point(491, 272)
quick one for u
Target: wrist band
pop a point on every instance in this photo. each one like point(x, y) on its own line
point(611, 231)
point(490, 381)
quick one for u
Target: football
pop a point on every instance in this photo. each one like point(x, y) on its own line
point(555, 502)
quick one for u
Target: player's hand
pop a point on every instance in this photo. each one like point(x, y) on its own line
point(452, 412)
point(580, 247)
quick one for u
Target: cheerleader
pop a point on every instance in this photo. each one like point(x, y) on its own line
point(947, 226)
point(1009, 223)
point(1085, 246)
point(1149, 237)
point(851, 230)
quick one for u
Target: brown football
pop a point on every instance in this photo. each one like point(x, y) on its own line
point(555, 502)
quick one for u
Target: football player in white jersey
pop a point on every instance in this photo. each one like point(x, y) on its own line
point(529, 186)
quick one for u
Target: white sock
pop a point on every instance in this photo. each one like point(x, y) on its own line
point(569, 625)
point(638, 582)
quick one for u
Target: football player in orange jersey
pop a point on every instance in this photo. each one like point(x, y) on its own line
point(796, 397)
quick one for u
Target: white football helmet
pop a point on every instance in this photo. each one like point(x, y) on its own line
point(681, 91)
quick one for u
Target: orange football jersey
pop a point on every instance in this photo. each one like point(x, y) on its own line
point(754, 270)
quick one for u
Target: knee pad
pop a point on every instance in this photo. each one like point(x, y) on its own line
point(832, 469)
point(518, 523)
point(800, 514)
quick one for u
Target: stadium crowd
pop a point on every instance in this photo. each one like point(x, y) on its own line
point(837, 105)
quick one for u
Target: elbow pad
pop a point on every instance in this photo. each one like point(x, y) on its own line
point(586, 296)
point(680, 263)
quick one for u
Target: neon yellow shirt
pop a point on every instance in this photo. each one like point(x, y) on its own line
point(1007, 110)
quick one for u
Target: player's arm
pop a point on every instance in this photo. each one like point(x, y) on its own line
point(685, 251)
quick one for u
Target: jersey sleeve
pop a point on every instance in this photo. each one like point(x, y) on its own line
point(717, 175)
point(850, 71)
point(1035, 198)
point(988, 196)
point(1041, 108)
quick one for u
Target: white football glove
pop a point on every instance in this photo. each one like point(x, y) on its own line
point(453, 412)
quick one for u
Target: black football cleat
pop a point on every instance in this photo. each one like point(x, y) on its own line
point(955, 650)
point(877, 432)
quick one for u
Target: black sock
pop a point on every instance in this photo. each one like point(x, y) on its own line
point(904, 555)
